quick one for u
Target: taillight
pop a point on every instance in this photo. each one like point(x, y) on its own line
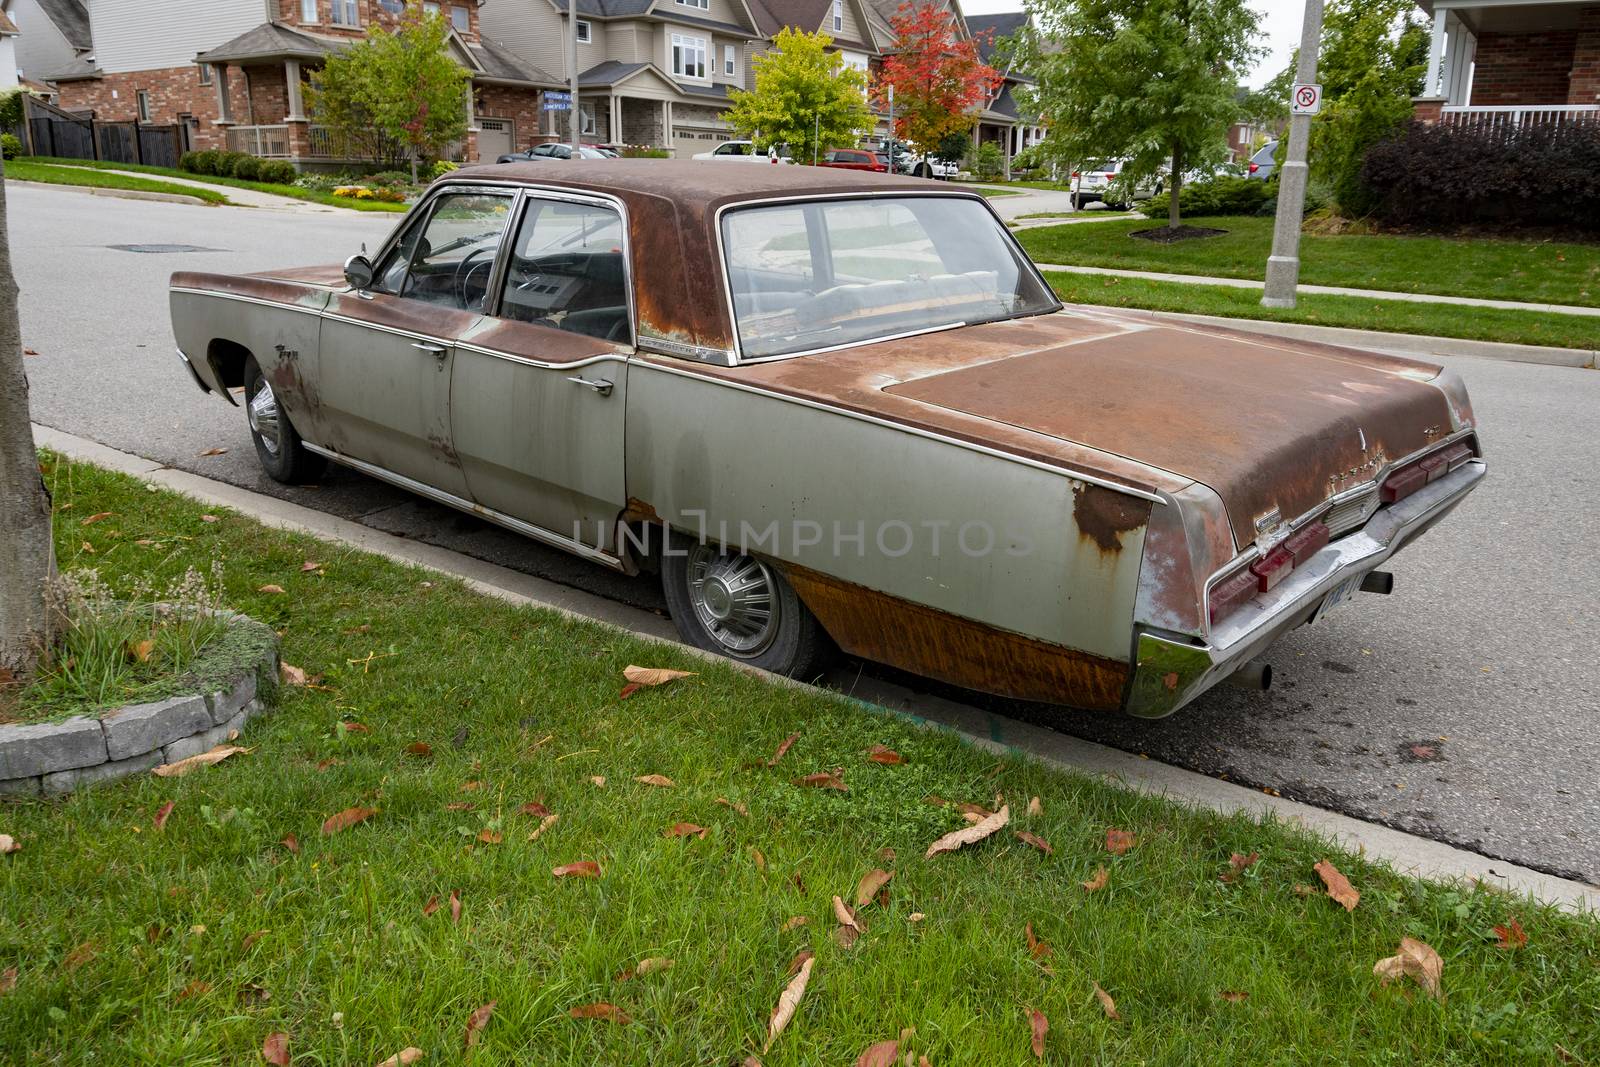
point(1272, 568)
point(1306, 541)
point(1075, 174)
point(1228, 594)
point(1408, 479)
point(1266, 572)
point(1110, 174)
point(1254, 167)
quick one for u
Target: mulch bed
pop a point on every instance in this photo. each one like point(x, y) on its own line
point(1166, 235)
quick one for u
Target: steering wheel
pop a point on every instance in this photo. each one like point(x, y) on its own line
point(464, 276)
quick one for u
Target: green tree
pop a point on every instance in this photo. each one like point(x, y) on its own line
point(1149, 81)
point(395, 96)
point(804, 97)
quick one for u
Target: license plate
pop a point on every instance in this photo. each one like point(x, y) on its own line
point(1339, 594)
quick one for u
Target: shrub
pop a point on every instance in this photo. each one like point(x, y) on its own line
point(10, 145)
point(247, 168)
point(440, 169)
point(276, 172)
point(986, 160)
point(1450, 175)
point(644, 152)
point(389, 178)
point(1214, 196)
point(199, 162)
point(11, 109)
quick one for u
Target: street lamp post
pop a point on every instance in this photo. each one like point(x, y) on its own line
point(575, 118)
point(1283, 266)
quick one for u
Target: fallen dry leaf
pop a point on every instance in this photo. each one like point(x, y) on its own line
point(656, 779)
point(650, 676)
point(1238, 864)
point(270, 588)
point(915, 917)
point(96, 517)
point(194, 763)
point(460, 805)
point(1106, 1002)
point(209, 518)
point(544, 824)
point(292, 843)
point(275, 1050)
point(970, 834)
point(735, 805)
point(1040, 1026)
point(212, 452)
point(1034, 807)
point(455, 907)
point(788, 1002)
point(477, 1021)
point(163, 813)
point(882, 1054)
point(489, 837)
point(309, 566)
point(1417, 960)
point(8, 980)
point(251, 938)
point(782, 748)
point(967, 808)
point(1511, 935)
point(1119, 841)
point(346, 819)
point(419, 748)
point(534, 807)
point(794, 921)
point(194, 989)
point(1303, 890)
point(823, 780)
point(794, 964)
point(598, 780)
point(431, 906)
point(886, 756)
point(293, 675)
point(9, 844)
point(1233, 996)
point(1339, 887)
point(869, 885)
point(1036, 841)
point(141, 651)
point(355, 727)
point(758, 858)
point(404, 1058)
point(652, 965)
point(845, 915)
point(1036, 948)
point(80, 955)
point(469, 787)
point(580, 869)
point(609, 1012)
point(686, 829)
point(1098, 881)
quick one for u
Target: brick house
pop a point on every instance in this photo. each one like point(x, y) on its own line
point(233, 72)
point(1497, 63)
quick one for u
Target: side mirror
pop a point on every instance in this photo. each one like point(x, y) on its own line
point(358, 272)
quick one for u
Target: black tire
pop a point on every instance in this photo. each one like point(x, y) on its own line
point(792, 643)
point(278, 444)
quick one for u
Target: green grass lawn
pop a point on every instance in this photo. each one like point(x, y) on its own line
point(1533, 271)
point(25, 170)
point(194, 943)
point(986, 191)
point(294, 192)
point(1354, 312)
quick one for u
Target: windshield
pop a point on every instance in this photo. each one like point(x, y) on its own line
point(837, 272)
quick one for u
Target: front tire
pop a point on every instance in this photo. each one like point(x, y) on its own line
point(739, 606)
point(278, 444)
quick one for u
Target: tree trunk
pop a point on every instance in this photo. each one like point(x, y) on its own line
point(27, 557)
point(413, 166)
point(1177, 186)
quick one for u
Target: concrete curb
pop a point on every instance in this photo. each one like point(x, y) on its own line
point(1414, 344)
point(1407, 853)
point(120, 194)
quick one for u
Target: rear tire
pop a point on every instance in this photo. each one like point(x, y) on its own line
point(739, 606)
point(278, 445)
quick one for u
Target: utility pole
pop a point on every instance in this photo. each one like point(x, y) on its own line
point(1283, 266)
point(575, 117)
point(891, 130)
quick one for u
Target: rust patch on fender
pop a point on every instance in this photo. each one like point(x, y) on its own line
point(1104, 515)
point(640, 511)
point(964, 652)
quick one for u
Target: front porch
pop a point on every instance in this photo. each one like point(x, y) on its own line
point(1504, 65)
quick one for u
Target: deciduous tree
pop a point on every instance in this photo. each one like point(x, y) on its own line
point(937, 75)
point(1150, 81)
point(804, 97)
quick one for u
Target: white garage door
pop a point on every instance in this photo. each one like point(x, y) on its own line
point(690, 140)
point(494, 138)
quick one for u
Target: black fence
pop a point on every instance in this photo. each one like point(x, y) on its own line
point(54, 132)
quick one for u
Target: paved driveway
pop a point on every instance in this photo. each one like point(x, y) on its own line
point(1465, 707)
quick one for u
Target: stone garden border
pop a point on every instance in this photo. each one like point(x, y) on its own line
point(59, 757)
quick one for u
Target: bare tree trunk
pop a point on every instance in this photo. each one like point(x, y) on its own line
point(27, 558)
point(1177, 185)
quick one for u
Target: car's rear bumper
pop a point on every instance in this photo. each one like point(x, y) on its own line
point(1171, 671)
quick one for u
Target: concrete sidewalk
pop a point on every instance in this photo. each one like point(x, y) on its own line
point(240, 197)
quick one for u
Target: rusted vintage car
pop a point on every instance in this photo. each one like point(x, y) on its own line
point(844, 409)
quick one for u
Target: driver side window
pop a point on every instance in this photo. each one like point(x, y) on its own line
point(448, 258)
point(566, 270)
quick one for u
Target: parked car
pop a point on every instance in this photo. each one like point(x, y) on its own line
point(551, 151)
point(1097, 180)
point(844, 409)
point(854, 159)
point(744, 152)
point(1263, 162)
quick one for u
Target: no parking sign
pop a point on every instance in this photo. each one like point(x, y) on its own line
point(1306, 99)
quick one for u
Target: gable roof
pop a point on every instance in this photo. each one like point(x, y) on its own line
point(614, 72)
point(989, 30)
point(806, 16)
point(71, 17)
point(7, 27)
point(270, 40)
point(495, 64)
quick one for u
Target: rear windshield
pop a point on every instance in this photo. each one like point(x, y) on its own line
point(836, 272)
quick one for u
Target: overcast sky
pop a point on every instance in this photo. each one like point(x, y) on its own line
point(1280, 29)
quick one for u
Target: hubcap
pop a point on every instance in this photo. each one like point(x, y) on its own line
point(735, 598)
point(262, 411)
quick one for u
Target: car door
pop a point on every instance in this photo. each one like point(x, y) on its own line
point(538, 388)
point(383, 387)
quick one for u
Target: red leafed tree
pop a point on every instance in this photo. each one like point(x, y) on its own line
point(938, 77)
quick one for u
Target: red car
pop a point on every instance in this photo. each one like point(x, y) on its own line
point(853, 159)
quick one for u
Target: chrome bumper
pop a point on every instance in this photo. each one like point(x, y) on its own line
point(189, 366)
point(1170, 671)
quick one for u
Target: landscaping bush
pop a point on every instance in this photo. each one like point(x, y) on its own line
point(388, 179)
point(276, 171)
point(644, 152)
point(199, 162)
point(987, 161)
point(440, 169)
point(223, 164)
point(10, 145)
point(247, 169)
point(1215, 196)
point(1452, 175)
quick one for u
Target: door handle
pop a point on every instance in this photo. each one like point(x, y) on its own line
point(439, 351)
point(601, 387)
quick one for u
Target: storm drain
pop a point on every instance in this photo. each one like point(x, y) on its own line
point(164, 248)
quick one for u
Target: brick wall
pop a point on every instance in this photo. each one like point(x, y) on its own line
point(1585, 85)
point(1523, 68)
point(519, 105)
point(174, 91)
point(372, 13)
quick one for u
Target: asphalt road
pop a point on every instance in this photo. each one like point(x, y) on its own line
point(1464, 707)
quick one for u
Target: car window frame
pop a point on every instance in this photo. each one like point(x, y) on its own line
point(736, 344)
point(422, 215)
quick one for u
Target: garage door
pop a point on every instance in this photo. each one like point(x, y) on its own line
point(689, 140)
point(494, 138)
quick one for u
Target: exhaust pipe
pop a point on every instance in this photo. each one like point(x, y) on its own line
point(1256, 675)
point(1378, 582)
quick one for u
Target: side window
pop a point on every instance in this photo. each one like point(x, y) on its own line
point(769, 260)
point(567, 272)
point(448, 258)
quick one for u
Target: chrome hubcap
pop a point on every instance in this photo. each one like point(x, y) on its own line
point(735, 598)
point(262, 411)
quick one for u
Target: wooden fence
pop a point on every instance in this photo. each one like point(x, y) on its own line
point(54, 132)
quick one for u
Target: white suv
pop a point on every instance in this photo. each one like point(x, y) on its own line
point(1093, 180)
point(743, 152)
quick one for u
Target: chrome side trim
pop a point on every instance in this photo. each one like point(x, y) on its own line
point(972, 446)
point(527, 529)
point(328, 316)
point(243, 299)
point(719, 357)
point(607, 357)
point(855, 344)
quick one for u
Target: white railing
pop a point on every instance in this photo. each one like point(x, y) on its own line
point(1512, 116)
point(268, 142)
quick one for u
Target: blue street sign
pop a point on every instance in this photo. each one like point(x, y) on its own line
point(558, 105)
point(550, 95)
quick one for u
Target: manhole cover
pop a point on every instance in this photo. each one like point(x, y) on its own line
point(164, 248)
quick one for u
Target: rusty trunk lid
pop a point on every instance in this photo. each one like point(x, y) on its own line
point(1275, 427)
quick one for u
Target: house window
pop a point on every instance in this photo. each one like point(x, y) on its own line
point(688, 56)
point(205, 73)
point(430, 8)
point(586, 116)
point(838, 15)
point(308, 10)
point(585, 31)
point(144, 106)
point(344, 13)
point(703, 5)
point(727, 60)
point(393, 7)
point(460, 19)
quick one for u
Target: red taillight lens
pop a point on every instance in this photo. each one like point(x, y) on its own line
point(1075, 174)
point(1228, 594)
point(1254, 167)
point(1272, 568)
point(1402, 483)
point(1306, 542)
